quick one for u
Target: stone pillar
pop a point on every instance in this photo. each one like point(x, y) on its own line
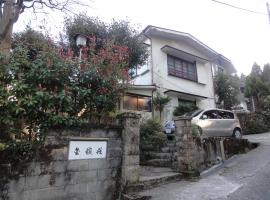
point(184, 146)
point(131, 149)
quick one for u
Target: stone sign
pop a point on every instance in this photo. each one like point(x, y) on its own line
point(87, 149)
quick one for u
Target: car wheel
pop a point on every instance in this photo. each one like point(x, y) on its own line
point(237, 133)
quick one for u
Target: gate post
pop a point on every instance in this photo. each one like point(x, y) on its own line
point(131, 148)
point(184, 146)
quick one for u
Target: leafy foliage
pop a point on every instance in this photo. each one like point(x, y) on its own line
point(31, 38)
point(266, 73)
point(254, 122)
point(258, 86)
point(44, 85)
point(119, 32)
point(227, 90)
point(183, 108)
point(159, 102)
point(196, 130)
point(151, 134)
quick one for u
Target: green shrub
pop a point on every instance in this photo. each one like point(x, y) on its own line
point(196, 130)
point(183, 108)
point(151, 135)
point(45, 86)
point(159, 102)
point(2, 146)
point(254, 122)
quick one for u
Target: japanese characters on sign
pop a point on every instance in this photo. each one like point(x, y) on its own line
point(87, 149)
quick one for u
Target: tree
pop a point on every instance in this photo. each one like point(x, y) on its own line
point(257, 85)
point(10, 11)
point(159, 102)
point(45, 85)
point(256, 70)
point(266, 73)
point(227, 89)
point(120, 32)
point(266, 103)
point(243, 77)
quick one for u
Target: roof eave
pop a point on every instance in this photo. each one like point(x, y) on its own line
point(168, 33)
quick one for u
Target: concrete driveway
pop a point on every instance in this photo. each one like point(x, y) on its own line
point(243, 177)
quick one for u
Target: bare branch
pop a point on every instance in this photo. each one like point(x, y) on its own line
point(10, 11)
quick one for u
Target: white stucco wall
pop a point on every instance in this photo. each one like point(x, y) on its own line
point(144, 74)
point(204, 86)
point(143, 79)
point(159, 76)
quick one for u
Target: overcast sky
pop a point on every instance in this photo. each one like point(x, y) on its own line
point(241, 36)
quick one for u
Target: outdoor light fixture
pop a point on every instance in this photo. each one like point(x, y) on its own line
point(80, 40)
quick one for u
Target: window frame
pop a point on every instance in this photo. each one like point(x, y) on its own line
point(185, 75)
point(180, 100)
point(137, 96)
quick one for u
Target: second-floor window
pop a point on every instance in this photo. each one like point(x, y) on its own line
point(181, 68)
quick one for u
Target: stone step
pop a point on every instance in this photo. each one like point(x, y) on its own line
point(168, 149)
point(135, 197)
point(147, 182)
point(154, 171)
point(165, 150)
point(159, 162)
point(155, 155)
point(170, 145)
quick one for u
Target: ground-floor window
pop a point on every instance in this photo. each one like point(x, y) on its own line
point(137, 102)
point(185, 101)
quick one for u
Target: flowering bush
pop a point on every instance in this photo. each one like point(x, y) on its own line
point(47, 86)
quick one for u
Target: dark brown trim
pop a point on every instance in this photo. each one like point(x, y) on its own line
point(183, 52)
point(193, 63)
point(195, 95)
point(134, 94)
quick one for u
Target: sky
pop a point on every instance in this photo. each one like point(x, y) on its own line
point(241, 36)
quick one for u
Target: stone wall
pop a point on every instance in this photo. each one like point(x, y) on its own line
point(195, 154)
point(57, 178)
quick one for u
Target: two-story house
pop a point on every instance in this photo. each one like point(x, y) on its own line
point(180, 66)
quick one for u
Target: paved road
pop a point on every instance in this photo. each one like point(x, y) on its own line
point(244, 177)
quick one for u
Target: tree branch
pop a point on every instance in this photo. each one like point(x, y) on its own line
point(10, 11)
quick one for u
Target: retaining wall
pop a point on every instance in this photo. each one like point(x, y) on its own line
point(56, 177)
point(195, 154)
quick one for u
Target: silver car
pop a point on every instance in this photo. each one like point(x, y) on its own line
point(216, 122)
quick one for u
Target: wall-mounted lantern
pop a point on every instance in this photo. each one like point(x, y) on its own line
point(80, 40)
